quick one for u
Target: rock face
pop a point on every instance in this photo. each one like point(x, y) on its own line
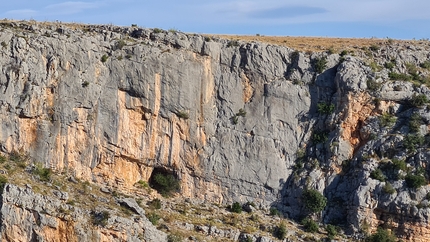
point(233, 121)
point(28, 216)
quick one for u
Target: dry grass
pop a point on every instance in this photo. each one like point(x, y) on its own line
point(317, 44)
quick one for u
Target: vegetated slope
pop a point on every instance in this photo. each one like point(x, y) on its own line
point(233, 121)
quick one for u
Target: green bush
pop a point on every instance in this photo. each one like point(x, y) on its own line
point(372, 85)
point(325, 108)
point(388, 188)
point(389, 65)
point(399, 164)
point(320, 64)
point(418, 100)
point(241, 112)
point(165, 184)
point(415, 181)
point(43, 173)
point(233, 43)
point(281, 231)
point(236, 207)
point(425, 64)
point(234, 119)
point(274, 212)
point(294, 56)
point(415, 122)
point(120, 44)
point(309, 225)
point(142, 184)
point(375, 67)
point(412, 70)
point(332, 231)
point(19, 158)
point(153, 218)
point(381, 235)
point(157, 30)
point(3, 159)
point(174, 238)
point(155, 203)
point(3, 181)
point(314, 200)
point(183, 115)
point(387, 120)
point(343, 53)
point(85, 84)
point(374, 47)
point(320, 137)
point(399, 76)
point(3, 44)
point(377, 175)
point(413, 141)
point(346, 165)
point(100, 218)
point(104, 58)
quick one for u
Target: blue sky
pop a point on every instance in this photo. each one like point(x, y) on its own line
point(399, 19)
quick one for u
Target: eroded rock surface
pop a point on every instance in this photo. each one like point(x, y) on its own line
point(111, 104)
point(28, 216)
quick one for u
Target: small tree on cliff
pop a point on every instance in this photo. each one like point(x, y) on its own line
point(313, 200)
point(381, 235)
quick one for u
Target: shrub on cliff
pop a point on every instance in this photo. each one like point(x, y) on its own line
point(236, 207)
point(281, 231)
point(415, 181)
point(387, 120)
point(320, 64)
point(119, 45)
point(104, 58)
point(381, 235)
point(155, 204)
point(3, 181)
point(100, 218)
point(319, 137)
point(413, 141)
point(377, 175)
point(388, 188)
point(415, 122)
point(43, 173)
point(165, 184)
point(309, 225)
point(274, 212)
point(3, 159)
point(153, 218)
point(332, 231)
point(174, 238)
point(325, 108)
point(183, 115)
point(418, 100)
point(314, 200)
point(425, 64)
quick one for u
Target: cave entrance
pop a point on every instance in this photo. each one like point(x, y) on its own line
point(164, 181)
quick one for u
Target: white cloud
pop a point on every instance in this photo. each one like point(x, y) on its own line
point(240, 11)
point(70, 7)
point(20, 13)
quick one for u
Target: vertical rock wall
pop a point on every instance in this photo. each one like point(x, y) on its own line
point(110, 104)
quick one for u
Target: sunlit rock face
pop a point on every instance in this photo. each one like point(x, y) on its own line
point(110, 104)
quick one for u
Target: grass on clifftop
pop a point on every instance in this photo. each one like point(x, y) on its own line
point(316, 44)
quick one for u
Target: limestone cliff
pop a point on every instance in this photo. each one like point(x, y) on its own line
point(233, 121)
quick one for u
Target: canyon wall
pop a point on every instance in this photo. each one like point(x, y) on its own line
point(233, 121)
